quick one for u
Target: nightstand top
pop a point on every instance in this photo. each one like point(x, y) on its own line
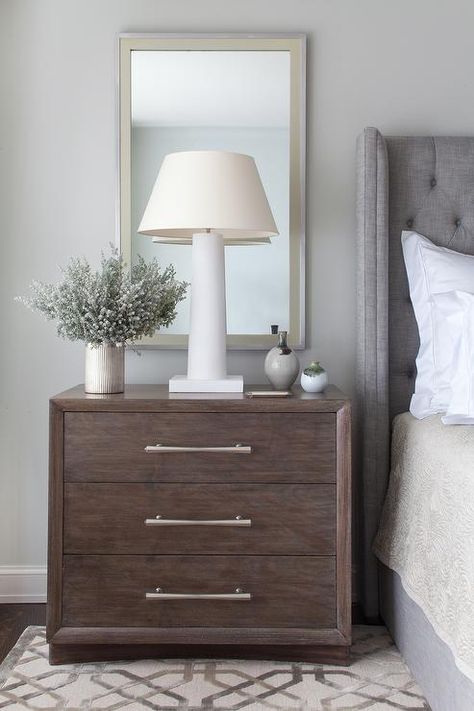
point(144, 397)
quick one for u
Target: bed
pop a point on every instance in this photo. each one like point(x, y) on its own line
point(424, 184)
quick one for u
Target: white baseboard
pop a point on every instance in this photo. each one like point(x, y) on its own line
point(22, 583)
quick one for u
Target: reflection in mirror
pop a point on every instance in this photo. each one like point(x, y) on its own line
point(239, 101)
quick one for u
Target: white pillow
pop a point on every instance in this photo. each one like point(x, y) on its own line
point(432, 270)
point(454, 338)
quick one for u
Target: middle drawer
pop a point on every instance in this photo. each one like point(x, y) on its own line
point(292, 519)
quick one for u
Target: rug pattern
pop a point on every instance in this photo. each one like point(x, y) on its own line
point(377, 679)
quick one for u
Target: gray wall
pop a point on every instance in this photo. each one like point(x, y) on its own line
point(404, 66)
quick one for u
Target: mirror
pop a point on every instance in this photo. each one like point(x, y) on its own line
point(234, 93)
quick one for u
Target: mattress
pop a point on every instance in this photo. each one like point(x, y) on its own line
point(426, 533)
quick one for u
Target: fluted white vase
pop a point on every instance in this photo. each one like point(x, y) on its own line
point(105, 369)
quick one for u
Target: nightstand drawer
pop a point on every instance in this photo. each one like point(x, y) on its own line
point(215, 591)
point(200, 518)
point(101, 446)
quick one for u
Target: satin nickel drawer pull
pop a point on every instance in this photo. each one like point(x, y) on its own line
point(234, 449)
point(237, 521)
point(160, 595)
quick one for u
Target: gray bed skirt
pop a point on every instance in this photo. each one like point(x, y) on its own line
point(430, 660)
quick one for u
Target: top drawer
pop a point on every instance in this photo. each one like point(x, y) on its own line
point(103, 446)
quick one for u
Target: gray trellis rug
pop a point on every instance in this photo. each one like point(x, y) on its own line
point(376, 679)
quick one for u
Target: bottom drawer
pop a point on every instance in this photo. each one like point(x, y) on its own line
point(285, 591)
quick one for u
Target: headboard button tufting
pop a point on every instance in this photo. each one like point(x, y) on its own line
point(433, 182)
point(457, 222)
point(410, 222)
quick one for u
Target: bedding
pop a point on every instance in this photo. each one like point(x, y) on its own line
point(454, 331)
point(426, 533)
point(432, 270)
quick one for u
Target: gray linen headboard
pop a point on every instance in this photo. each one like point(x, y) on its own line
point(425, 184)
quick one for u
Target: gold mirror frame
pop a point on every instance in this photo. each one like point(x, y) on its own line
point(295, 44)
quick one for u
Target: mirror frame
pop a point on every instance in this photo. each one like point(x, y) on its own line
point(295, 44)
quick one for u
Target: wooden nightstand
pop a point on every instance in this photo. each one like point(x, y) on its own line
point(199, 525)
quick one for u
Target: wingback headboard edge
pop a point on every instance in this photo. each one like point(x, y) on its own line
point(372, 349)
point(422, 183)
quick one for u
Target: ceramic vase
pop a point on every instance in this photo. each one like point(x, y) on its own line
point(314, 378)
point(105, 368)
point(281, 364)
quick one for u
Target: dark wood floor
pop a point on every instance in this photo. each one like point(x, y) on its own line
point(14, 619)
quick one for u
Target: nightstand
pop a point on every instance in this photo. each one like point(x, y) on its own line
point(199, 525)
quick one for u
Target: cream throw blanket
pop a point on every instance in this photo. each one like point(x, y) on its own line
point(426, 533)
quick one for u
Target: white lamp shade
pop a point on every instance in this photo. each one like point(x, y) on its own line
point(219, 191)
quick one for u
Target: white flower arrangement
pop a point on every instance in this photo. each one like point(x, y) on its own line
point(113, 305)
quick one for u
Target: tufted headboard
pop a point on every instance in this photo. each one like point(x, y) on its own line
point(422, 183)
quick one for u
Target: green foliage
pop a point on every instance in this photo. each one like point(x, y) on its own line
point(111, 305)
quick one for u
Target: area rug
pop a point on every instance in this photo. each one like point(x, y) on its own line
point(376, 679)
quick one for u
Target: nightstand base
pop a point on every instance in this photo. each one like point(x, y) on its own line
point(313, 654)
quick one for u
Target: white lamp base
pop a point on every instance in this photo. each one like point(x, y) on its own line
point(229, 384)
point(207, 371)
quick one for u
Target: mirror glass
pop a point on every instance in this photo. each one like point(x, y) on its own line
point(239, 100)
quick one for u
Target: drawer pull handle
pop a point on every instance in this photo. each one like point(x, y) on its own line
point(234, 449)
point(237, 521)
point(160, 595)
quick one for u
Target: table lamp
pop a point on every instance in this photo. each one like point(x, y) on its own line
point(208, 199)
